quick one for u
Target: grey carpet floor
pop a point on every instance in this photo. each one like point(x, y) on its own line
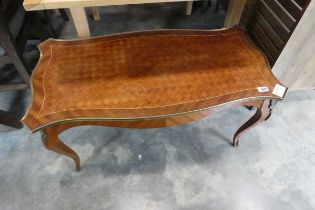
point(190, 166)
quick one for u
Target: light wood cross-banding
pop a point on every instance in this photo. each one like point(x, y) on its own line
point(146, 80)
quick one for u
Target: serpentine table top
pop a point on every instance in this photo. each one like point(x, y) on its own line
point(146, 79)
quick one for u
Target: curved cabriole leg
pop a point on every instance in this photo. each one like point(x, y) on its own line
point(52, 142)
point(262, 113)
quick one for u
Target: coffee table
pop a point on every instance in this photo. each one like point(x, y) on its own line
point(146, 80)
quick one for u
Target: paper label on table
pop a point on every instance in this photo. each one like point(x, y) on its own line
point(262, 89)
point(279, 90)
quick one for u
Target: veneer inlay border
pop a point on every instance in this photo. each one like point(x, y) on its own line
point(145, 80)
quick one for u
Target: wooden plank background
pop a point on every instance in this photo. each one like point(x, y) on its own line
point(272, 23)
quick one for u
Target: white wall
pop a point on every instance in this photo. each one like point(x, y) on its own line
point(296, 65)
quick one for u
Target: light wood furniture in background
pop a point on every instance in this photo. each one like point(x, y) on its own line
point(97, 16)
point(80, 20)
point(148, 79)
point(234, 12)
point(96, 13)
point(189, 7)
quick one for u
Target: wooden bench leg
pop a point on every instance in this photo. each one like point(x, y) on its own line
point(189, 7)
point(80, 22)
point(234, 12)
point(262, 113)
point(52, 142)
point(96, 13)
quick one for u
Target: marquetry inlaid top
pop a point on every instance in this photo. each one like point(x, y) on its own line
point(145, 75)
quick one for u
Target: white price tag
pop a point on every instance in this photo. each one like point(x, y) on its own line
point(279, 90)
point(262, 89)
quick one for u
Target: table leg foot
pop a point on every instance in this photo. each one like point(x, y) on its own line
point(263, 112)
point(52, 142)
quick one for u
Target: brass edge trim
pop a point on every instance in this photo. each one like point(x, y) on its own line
point(31, 82)
point(252, 44)
point(39, 46)
point(234, 28)
point(151, 117)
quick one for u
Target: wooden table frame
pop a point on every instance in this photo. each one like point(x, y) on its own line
point(76, 7)
point(55, 110)
point(51, 140)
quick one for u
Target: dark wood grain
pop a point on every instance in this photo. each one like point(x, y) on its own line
point(263, 37)
point(259, 43)
point(302, 3)
point(273, 20)
point(268, 30)
point(293, 9)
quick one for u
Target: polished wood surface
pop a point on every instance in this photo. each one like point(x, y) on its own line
point(145, 75)
point(146, 80)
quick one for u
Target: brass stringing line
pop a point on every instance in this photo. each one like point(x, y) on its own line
point(99, 41)
point(43, 81)
point(85, 119)
point(256, 59)
point(99, 38)
point(149, 107)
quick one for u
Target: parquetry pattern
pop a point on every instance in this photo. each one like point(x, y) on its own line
point(146, 74)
